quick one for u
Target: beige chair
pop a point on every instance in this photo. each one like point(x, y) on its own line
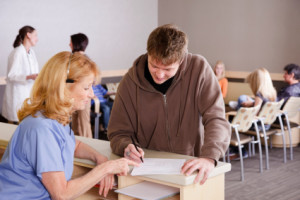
point(243, 120)
point(290, 109)
point(112, 88)
point(267, 116)
point(97, 115)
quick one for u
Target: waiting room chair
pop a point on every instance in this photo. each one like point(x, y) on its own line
point(267, 116)
point(289, 111)
point(96, 116)
point(112, 88)
point(242, 121)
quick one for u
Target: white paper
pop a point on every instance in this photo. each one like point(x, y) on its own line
point(158, 166)
point(148, 191)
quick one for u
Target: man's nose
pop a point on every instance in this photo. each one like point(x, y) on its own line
point(160, 74)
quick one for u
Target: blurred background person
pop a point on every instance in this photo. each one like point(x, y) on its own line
point(22, 70)
point(219, 70)
point(81, 123)
point(291, 77)
point(105, 104)
point(262, 87)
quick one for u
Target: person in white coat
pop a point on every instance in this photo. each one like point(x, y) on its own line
point(22, 70)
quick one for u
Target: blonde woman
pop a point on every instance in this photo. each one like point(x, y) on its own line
point(38, 162)
point(219, 70)
point(262, 87)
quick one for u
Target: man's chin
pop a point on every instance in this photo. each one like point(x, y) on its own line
point(159, 81)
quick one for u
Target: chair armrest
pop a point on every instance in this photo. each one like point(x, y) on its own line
point(230, 113)
point(97, 105)
point(234, 125)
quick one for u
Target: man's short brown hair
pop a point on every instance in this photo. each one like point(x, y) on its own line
point(167, 44)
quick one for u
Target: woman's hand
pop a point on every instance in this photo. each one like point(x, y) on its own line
point(248, 104)
point(106, 184)
point(131, 153)
point(119, 166)
point(31, 76)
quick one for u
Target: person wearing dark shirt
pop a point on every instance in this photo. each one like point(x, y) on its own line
point(291, 77)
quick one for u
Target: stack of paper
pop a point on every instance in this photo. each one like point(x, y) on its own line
point(148, 191)
point(158, 166)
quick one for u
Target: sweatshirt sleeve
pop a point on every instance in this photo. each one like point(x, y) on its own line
point(217, 130)
point(121, 123)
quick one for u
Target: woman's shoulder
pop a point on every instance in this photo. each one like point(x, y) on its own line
point(17, 52)
point(39, 122)
point(223, 80)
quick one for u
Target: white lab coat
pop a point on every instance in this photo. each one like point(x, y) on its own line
point(20, 65)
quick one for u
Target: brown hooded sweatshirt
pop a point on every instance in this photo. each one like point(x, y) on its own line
point(171, 122)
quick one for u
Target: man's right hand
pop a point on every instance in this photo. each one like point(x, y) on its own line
point(132, 154)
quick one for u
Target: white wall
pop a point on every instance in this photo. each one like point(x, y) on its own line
point(245, 34)
point(117, 30)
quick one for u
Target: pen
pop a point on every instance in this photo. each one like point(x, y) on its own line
point(136, 147)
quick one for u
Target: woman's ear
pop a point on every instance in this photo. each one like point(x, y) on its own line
point(28, 35)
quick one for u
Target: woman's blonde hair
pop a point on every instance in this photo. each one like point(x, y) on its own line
point(50, 93)
point(219, 62)
point(260, 81)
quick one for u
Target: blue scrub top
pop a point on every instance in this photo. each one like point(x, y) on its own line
point(38, 145)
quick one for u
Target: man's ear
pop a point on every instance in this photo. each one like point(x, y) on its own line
point(293, 75)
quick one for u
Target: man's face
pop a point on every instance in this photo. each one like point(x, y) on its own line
point(161, 73)
point(288, 78)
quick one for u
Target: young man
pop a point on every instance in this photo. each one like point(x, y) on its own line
point(163, 101)
point(292, 77)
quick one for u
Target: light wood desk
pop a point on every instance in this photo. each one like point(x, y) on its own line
point(214, 188)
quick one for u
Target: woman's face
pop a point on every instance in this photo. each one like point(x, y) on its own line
point(82, 92)
point(219, 70)
point(32, 37)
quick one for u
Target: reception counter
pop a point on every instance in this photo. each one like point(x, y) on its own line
point(214, 188)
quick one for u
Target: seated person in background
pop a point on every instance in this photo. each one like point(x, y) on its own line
point(81, 124)
point(262, 86)
point(38, 161)
point(166, 100)
point(292, 77)
point(105, 104)
point(219, 70)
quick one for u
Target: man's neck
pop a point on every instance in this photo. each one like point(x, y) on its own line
point(293, 82)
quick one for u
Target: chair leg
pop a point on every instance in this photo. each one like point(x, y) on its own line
point(228, 159)
point(290, 135)
point(242, 163)
point(96, 127)
point(240, 153)
point(253, 147)
point(259, 147)
point(283, 138)
point(249, 149)
point(266, 144)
